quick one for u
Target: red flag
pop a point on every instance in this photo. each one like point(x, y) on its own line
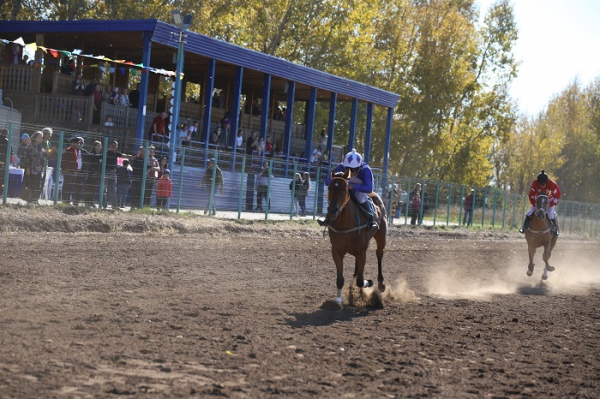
point(54, 53)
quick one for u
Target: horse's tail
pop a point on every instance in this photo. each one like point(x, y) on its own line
point(379, 202)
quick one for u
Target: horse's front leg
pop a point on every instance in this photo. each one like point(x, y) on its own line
point(361, 260)
point(380, 239)
point(531, 265)
point(338, 259)
point(547, 253)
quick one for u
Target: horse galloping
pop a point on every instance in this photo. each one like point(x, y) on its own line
point(540, 234)
point(348, 233)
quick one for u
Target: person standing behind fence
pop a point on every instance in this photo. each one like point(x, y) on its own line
point(468, 208)
point(262, 186)
point(71, 190)
point(303, 192)
point(93, 166)
point(207, 182)
point(4, 148)
point(164, 188)
point(124, 181)
point(297, 181)
point(415, 209)
point(34, 163)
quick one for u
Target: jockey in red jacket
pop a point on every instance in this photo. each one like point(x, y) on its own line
point(543, 185)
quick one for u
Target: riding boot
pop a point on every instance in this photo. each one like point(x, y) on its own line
point(323, 221)
point(526, 223)
point(554, 223)
point(369, 206)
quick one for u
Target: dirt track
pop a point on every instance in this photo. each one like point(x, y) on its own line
point(237, 313)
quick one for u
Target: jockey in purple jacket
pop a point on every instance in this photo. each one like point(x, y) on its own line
point(360, 184)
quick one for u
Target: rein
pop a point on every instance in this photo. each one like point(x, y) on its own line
point(540, 231)
point(347, 198)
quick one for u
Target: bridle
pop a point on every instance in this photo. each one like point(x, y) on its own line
point(346, 196)
point(540, 210)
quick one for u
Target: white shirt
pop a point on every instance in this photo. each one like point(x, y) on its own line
point(239, 141)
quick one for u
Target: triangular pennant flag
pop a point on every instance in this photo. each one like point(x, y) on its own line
point(103, 69)
point(133, 72)
point(98, 57)
point(119, 61)
point(122, 70)
point(112, 70)
point(43, 49)
point(65, 52)
point(76, 51)
point(107, 59)
point(20, 41)
point(54, 53)
point(31, 47)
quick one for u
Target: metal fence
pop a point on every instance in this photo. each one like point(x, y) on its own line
point(441, 203)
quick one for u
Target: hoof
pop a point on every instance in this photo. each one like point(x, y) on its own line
point(529, 273)
point(550, 268)
point(381, 287)
point(370, 283)
point(544, 276)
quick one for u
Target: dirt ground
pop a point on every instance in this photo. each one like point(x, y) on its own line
point(153, 307)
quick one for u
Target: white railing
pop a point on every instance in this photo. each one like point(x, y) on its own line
point(20, 78)
point(68, 109)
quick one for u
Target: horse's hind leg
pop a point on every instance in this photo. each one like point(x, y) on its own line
point(380, 240)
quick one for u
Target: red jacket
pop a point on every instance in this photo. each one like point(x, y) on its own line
point(164, 187)
point(70, 160)
point(551, 190)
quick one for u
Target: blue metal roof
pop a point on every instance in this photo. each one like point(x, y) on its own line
point(163, 33)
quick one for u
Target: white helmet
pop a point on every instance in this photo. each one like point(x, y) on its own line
point(352, 160)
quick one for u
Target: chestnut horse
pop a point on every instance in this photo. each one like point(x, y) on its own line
point(540, 234)
point(348, 233)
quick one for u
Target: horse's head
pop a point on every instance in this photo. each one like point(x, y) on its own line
point(541, 205)
point(338, 194)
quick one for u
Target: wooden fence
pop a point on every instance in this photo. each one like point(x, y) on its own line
point(65, 109)
point(20, 78)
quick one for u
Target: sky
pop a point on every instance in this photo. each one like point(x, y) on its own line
point(559, 41)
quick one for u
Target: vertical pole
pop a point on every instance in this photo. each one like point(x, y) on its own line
point(422, 200)
point(353, 117)
point(267, 205)
point(472, 215)
point(241, 187)
point(368, 132)
point(504, 212)
point(144, 174)
point(264, 115)
point(235, 108)
point(578, 216)
point(103, 173)
point(514, 215)
point(208, 96)
point(293, 190)
point(317, 198)
point(494, 208)
point(388, 139)
point(61, 138)
point(448, 209)
point(7, 165)
point(211, 199)
point(310, 123)
point(437, 196)
point(571, 218)
point(289, 120)
point(564, 223)
point(391, 204)
point(524, 205)
point(141, 107)
point(180, 187)
point(173, 139)
point(331, 125)
point(408, 199)
point(483, 206)
point(462, 203)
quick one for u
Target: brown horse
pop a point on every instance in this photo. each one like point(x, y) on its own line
point(540, 234)
point(348, 233)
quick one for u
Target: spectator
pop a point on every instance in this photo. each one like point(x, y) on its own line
point(34, 163)
point(154, 168)
point(415, 190)
point(47, 144)
point(140, 167)
point(124, 181)
point(109, 121)
point(239, 140)
point(215, 138)
point(296, 187)
point(323, 138)
point(302, 192)
point(325, 157)
point(162, 165)
point(106, 94)
point(157, 130)
point(113, 98)
point(78, 86)
point(468, 207)
point(262, 185)
point(97, 93)
point(251, 143)
point(260, 146)
point(256, 108)
point(69, 166)
point(225, 130)
point(111, 177)
point(134, 97)
point(67, 67)
point(268, 145)
point(415, 208)
point(316, 155)
point(164, 187)
point(124, 98)
point(184, 140)
point(193, 131)
point(89, 89)
point(25, 140)
point(93, 167)
point(207, 182)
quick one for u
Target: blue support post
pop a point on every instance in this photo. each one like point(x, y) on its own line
point(331, 125)
point(235, 107)
point(141, 115)
point(264, 116)
point(268, 199)
point(368, 133)
point(173, 139)
point(386, 150)
point(208, 96)
point(289, 120)
point(310, 123)
point(353, 117)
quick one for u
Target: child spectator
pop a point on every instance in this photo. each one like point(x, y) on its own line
point(109, 121)
point(415, 208)
point(124, 181)
point(164, 188)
